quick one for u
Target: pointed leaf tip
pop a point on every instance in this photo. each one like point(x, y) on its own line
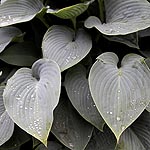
point(120, 94)
point(31, 95)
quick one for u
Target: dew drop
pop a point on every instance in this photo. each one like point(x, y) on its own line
point(118, 91)
point(122, 127)
point(94, 105)
point(118, 118)
point(1, 73)
point(71, 145)
point(111, 113)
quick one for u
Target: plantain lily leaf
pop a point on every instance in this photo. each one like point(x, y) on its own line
point(69, 127)
point(120, 94)
point(7, 34)
point(31, 95)
point(6, 124)
point(122, 17)
point(102, 140)
point(64, 46)
point(20, 54)
point(130, 40)
point(78, 91)
point(16, 11)
point(71, 11)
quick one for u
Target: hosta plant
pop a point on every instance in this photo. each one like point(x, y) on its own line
point(74, 74)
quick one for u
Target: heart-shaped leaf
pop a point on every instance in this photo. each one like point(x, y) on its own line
point(69, 127)
point(64, 46)
point(78, 91)
point(16, 11)
point(122, 17)
point(7, 34)
point(71, 11)
point(20, 54)
point(6, 124)
point(31, 95)
point(120, 94)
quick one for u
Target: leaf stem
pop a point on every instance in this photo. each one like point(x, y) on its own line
point(74, 23)
point(101, 10)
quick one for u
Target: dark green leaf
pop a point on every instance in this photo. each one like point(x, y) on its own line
point(21, 54)
point(78, 91)
point(69, 127)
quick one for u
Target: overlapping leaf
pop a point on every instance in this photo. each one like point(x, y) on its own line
point(120, 94)
point(64, 46)
point(122, 17)
point(69, 127)
point(20, 54)
point(130, 40)
point(71, 11)
point(31, 95)
point(16, 11)
point(78, 91)
point(102, 140)
point(6, 36)
point(6, 124)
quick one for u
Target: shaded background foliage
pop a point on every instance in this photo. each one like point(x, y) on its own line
point(66, 127)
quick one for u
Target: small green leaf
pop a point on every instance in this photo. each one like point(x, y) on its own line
point(7, 34)
point(31, 95)
point(122, 17)
point(6, 124)
point(71, 11)
point(69, 127)
point(64, 46)
point(17, 11)
point(78, 91)
point(120, 94)
point(20, 54)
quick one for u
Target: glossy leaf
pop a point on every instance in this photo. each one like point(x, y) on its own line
point(71, 11)
point(7, 34)
point(69, 127)
point(64, 46)
point(102, 140)
point(120, 94)
point(6, 124)
point(31, 95)
point(21, 54)
point(16, 11)
point(122, 17)
point(78, 91)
